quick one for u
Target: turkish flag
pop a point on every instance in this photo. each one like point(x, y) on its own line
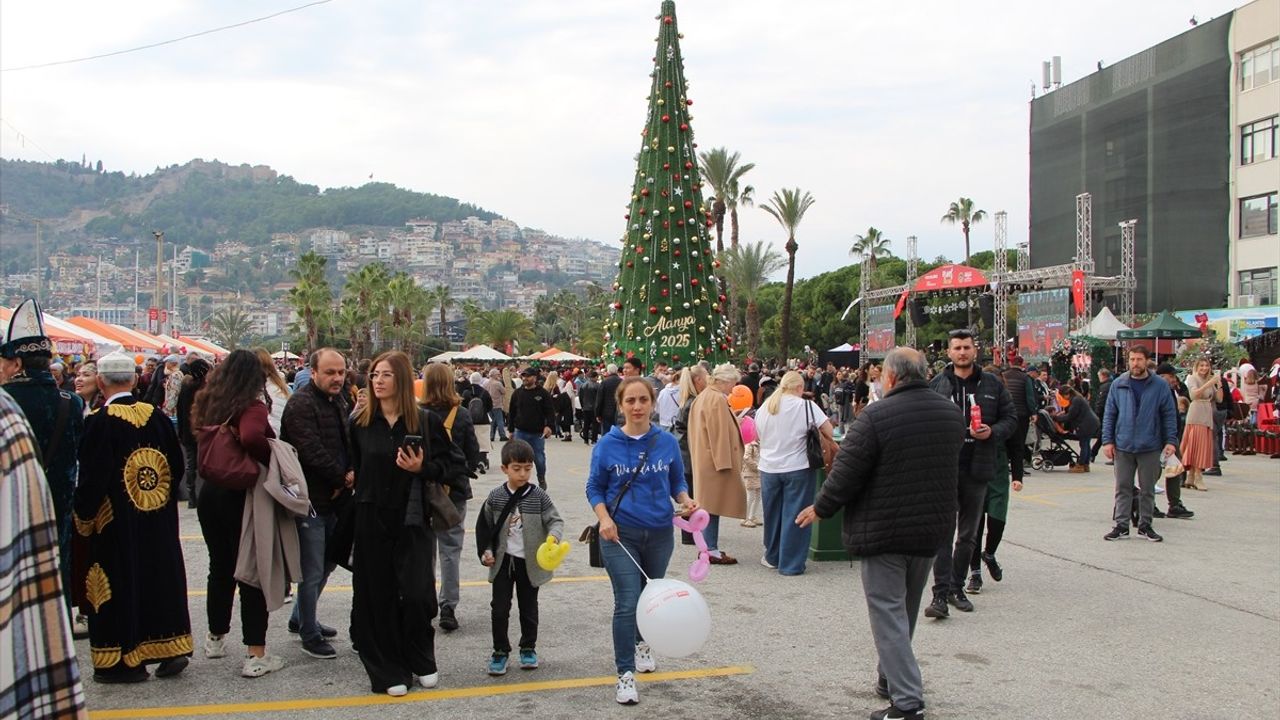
point(902, 302)
point(1077, 290)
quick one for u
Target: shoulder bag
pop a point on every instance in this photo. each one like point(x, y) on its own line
point(813, 440)
point(222, 460)
point(591, 534)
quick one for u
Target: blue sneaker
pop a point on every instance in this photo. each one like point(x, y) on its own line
point(498, 664)
point(528, 659)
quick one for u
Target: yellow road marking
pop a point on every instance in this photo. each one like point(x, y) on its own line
point(465, 583)
point(417, 697)
point(1040, 497)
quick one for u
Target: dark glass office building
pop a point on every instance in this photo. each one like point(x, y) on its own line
point(1149, 138)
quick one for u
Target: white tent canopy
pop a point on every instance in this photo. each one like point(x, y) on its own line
point(563, 356)
point(480, 353)
point(284, 355)
point(1104, 326)
point(843, 348)
point(443, 357)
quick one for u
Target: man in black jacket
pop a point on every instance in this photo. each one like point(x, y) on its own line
point(1020, 389)
point(1099, 404)
point(895, 478)
point(532, 416)
point(315, 422)
point(606, 403)
point(966, 385)
point(588, 394)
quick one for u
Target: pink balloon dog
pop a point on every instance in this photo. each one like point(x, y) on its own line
point(696, 523)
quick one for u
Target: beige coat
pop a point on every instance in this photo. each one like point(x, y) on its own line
point(269, 556)
point(715, 450)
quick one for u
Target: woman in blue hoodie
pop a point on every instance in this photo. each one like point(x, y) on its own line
point(636, 472)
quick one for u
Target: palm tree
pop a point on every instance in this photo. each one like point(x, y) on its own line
point(962, 212)
point(873, 244)
point(349, 320)
point(310, 297)
point(365, 290)
point(788, 208)
point(407, 303)
point(442, 296)
point(498, 328)
point(723, 173)
point(230, 326)
point(747, 268)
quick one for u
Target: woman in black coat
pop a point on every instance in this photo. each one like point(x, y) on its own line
point(1080, 420)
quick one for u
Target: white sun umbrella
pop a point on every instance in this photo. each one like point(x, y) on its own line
point(481, 353)
point(284, 355)
point(563, 356)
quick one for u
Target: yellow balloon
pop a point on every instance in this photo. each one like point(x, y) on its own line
point(551, 553)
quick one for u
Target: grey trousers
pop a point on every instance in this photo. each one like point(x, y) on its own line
point(1147, 467)
point(449, 546)
point(894, 585)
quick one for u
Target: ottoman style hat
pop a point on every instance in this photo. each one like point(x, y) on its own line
point(25, 335)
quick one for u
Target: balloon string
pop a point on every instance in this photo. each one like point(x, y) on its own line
point(628, 552)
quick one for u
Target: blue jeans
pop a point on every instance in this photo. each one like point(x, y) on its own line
point(497, 424)
point(538, 442)
point(313, 535)
point(652, 549)
point(784, 495)
point(711, 535)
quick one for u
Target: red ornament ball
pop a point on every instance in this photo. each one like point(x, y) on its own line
point(667, 20)
point(666, 84)
point(627, 216)
point(665, 292)
point(688, 102)
point(666, 118)
point(666, 166)
point(723, 298)
point(631, 263)
point(688, 204)
point(644, 192)
point(676, 253)
point(694, 282)
point(664, 278)
point(684, 126)
point(688, 165)
point(678, 222)
point(666, 224)
point(653, 309)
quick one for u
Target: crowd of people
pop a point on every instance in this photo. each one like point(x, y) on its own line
point(369, 464)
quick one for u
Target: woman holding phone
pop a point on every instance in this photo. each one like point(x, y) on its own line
point(398, 450)
point(635, 474)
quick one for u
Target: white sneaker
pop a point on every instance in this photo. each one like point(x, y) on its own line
point(215, 646)
point(259, 666)
point(626, 693)
point(397, 691)
point(429, 681)
point(80, 627)
point(644, 659)
point(767, 564)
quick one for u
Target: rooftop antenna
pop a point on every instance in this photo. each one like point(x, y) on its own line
point(1057, 71)
point(1045, 68)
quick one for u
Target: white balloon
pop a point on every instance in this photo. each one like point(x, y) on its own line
point(673, 617)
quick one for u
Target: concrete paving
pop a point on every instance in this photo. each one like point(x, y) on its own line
point(1079, 627)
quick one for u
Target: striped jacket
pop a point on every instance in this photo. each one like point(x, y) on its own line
point(41, 677)
point(540, 519)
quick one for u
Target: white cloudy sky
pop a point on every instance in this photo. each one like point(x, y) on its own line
point(885, 111)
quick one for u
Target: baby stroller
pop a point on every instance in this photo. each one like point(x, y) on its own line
point(1059, 452)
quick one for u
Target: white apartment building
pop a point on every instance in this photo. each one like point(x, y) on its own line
point(1255, 166)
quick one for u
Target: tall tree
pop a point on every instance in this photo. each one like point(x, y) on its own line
point(723, 173)
point(961, 212)
point(230, 326)
point(788, 207)
point(310, 297)
point(873, 244)
point(443, 298)
point(668, 306)
point(499, 329)
point(747, 268)
point(365, 290)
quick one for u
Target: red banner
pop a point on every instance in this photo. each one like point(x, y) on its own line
point(1077, 290)
point(950, 277)
point(902, 302)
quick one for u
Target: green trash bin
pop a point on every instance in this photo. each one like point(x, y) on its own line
point(826, 542)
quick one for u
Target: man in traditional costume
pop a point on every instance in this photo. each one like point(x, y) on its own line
point(56, 416)
point(39, 675)
point(127, 506)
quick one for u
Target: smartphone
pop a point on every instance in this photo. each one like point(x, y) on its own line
point(412, 443)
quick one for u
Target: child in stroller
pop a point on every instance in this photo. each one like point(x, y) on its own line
point(1059, 452)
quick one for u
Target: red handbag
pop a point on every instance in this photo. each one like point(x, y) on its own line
point(222, 460)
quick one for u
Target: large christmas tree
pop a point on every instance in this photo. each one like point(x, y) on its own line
point(668, 305)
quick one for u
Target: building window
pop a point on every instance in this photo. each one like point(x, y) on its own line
point(1258, 215)
point(1258, 141)
point(1261, 283)
point(1260, 66)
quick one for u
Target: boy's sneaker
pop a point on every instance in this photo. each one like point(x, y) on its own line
point(1179, 512)
point(961, 602)
point(1119, 532)
point(975, 584)
point(644, 659)
point(319, 648)
point(258, 666)
point(938, 607)
point(498, 664)
point(528, 659)
point(893, 713)
point(626, 692)
point(1149, 533)
point(214, 646)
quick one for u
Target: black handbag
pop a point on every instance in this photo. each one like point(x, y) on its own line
point(813, 440)
point(591, 533)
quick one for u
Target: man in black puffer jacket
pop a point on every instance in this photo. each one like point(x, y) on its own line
point(895, 478)
point(966, 385)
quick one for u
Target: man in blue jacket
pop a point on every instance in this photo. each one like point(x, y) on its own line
point(1139, 427)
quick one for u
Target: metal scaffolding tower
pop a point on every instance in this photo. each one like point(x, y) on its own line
point(1024, 256)
point(1127, 253)
point(913, 267)
point(864, 284)
point(1084, 256)
point(999, 288)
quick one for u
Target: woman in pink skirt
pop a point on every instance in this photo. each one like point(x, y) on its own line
point(1205, 388)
